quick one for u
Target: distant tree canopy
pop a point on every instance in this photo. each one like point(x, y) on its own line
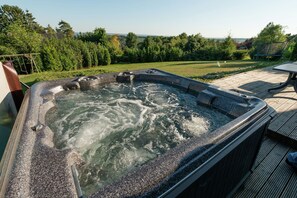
point(269, 40)
point(229, 47)
point(21, 40)
point(65, 30)
point(61, 49)
point(14, 15)
point(98, 36)
point(50, 32)
point(271, 34)
point(131, 40)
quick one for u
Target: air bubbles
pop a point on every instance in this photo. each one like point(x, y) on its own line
point(117, 127)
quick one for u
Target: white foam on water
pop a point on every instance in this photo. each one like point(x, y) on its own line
point(118, 127)
point(196, 125)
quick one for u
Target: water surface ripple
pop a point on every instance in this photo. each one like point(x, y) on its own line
point(117, 127)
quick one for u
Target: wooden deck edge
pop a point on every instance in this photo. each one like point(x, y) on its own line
point(282, 138)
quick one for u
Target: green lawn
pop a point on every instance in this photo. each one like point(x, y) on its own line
point(200, 70)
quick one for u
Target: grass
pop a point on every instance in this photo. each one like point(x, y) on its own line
point(199, 70)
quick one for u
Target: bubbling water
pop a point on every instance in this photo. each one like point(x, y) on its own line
point(117, 127)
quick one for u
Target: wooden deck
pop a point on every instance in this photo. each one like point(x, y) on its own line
point(284, 126)
point(272, 177)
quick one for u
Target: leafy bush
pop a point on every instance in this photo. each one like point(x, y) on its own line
point(131, 55)
point(87, 59)
point(103, 55)
point(240, 54)
point(93, 52)
point(50, 57)
point(106, 57)
point(174, 54)
point(294, 53)
point(67, 56)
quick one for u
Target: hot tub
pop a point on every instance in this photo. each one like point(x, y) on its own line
point(211, 137)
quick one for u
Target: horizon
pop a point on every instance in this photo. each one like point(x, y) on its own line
point(237, 40)
point(211, 19)
point(145, 35)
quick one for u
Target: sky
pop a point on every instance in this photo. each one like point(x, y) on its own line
point(210, 18)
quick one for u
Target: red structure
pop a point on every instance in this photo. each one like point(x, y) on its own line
point(13, 83)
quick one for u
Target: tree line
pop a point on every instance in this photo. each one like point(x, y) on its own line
point(62, 49)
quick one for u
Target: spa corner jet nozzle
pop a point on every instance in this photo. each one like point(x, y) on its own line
point(37, 127)
point(85, 82)
point(71, 85)
point(150, 71)
point(125, 77)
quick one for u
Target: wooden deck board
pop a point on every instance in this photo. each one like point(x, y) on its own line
point(290, 125)
point(266, 147)
point(293, 135)
point(277, 181)
point(263, 171)
point(272, 177)
point(291, 188)
point(284, 101)
point(280, 120)
point(282, 107)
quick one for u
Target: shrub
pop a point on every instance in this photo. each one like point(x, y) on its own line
point(7, 50)
point(50, 57)
point(240, 54)
point(67, 58)
point(174, 54)
point(106, 57)
point(86, 56)
point(93, 52)
point(294, 53)
point(131, 55)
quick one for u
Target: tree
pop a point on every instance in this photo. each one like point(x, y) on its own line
point(31, 24)
point(50, 56)
point(50, 32)
point(174, 54)
point(98, 36)
point(21, 39)
point(294, 53)
point(93, 49)
point(182, 40)
point(65, 30)
point(114, 48)
point(116, 45)
point(101, 36)
point(131, 55)
point(103, 55)
point(86, 56)
point(151, 49)
point(271, 34)
point(195, 42)
point(228, 47)
point(131, 40)
point(14, 15)
point(106, 57)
